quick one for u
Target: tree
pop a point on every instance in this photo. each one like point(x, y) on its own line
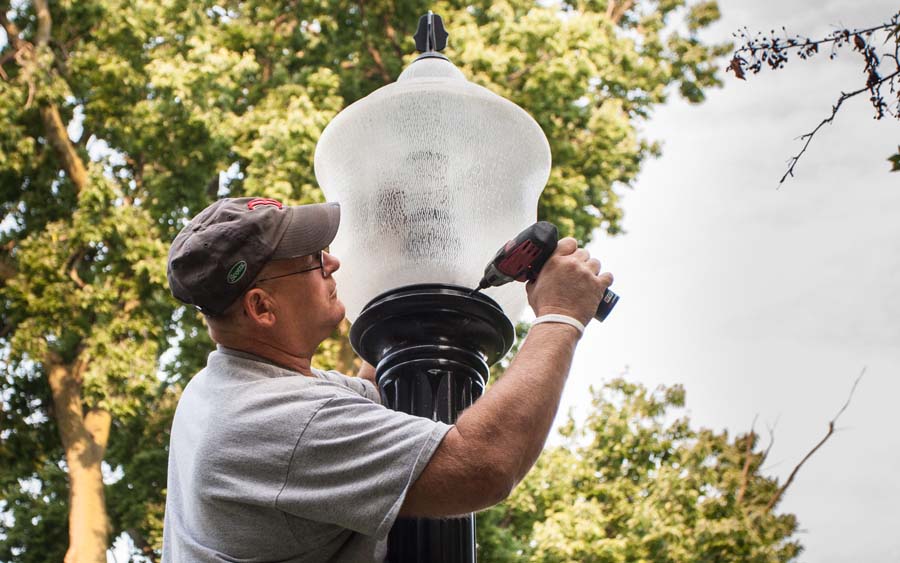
point(633, 483)
point(121, 119)
point(881, 71)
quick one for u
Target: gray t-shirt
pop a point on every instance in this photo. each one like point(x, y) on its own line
point(266, 464)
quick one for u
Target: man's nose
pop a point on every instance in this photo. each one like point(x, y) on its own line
point(331, 263)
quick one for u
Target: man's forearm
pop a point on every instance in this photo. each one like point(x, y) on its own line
point(514, 417)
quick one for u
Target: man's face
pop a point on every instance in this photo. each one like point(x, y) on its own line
point(306, 292)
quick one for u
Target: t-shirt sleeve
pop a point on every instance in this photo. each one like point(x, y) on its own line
point(355, 462)
point(357, 384)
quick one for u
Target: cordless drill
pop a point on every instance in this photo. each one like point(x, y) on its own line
point(522, 258)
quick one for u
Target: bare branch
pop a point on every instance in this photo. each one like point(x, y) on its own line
point(618, 11)
point(53, 123)
point(62, 145)
point(12, 54)
point(780, 492)
point(802, 44)
point(771, 430)
point(19, 46)
point(31, 91)
point(391, 34)
point(844, 97)
point(41, 37)
point(12, 31)
point(72, 265)
point(775, 50)
point(379, 63)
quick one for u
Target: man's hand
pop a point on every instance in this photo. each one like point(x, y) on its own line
point(569, 284)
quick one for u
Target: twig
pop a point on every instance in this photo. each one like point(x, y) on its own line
point(839, 36)
point(774, 51)
point(771, 430)
point(20, 47)
point(615, 11)
point(834, 109)
point(780, 491)
point(12, 31)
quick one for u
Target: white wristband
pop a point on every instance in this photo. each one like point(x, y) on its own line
point(564, 319)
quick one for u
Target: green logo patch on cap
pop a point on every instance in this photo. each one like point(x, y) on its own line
point(236, 272)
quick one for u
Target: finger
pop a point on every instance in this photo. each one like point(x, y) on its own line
point(582, 254)
point(566, 246)
point(606, 279)
point(594, 265)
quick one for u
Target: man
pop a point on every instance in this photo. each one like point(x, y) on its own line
point(273, 460)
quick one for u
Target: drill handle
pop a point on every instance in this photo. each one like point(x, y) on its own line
point(544, 237)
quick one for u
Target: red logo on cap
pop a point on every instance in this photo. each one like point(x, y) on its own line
point(263, 201)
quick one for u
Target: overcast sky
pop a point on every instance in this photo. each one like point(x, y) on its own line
point(770, 301)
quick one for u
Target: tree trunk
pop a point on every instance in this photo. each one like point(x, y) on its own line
point(84, 438)
point(62, 146)
point(84, 434)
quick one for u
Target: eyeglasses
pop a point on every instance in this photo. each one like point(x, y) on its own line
point(321, 266)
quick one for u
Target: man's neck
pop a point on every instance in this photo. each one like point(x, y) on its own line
point(295, 361)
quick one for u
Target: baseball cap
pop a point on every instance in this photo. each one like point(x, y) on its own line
point(216, 257)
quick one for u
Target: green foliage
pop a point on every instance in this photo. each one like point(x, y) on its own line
point(587, 80)
point(139, 450)
point(895, 161)
point(39, 505)
point(634, 483)
point(171, 104)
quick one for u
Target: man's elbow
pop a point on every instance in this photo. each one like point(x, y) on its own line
point(462, 477)
point(498, 481)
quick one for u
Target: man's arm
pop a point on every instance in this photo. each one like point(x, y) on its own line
point(497, 440)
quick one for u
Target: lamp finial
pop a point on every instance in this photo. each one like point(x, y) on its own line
point(431, 35)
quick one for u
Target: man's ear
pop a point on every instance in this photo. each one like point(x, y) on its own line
point(259, 307)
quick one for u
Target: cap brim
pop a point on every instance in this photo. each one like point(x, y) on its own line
point(311, 228)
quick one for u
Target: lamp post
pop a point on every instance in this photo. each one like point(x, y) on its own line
point(433, 174)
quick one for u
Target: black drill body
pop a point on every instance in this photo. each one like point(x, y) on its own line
point(522, 258)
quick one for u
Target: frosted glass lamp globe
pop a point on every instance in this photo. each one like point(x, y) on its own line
point(434, 174)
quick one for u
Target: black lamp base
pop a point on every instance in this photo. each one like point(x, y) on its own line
point(432, 345)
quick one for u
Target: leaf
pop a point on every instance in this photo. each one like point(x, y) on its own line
point(737, 66)
point(895, 161)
